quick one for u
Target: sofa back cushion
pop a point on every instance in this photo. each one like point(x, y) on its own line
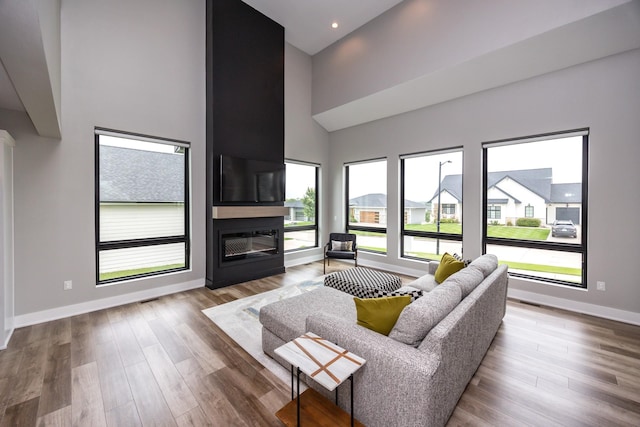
point(466, 279)
point(486, 264)
point(417, 319)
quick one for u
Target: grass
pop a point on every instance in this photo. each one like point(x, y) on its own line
point(299, 224)
point(541, 268)
point(134, 272)
point(520, 233)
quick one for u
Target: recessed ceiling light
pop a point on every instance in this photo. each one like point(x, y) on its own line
point(334, 25)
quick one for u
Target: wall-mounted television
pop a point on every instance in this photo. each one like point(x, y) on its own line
point(251, 181)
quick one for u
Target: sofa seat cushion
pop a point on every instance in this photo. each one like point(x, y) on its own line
point(425, 283)
point(417, 319)
point(286, 319)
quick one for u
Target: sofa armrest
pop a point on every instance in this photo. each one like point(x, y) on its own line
point(432, 267)
point(392, 372)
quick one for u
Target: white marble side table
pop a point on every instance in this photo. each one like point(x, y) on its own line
point(325, 362)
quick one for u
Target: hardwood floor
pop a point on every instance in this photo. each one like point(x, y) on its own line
point(162, 362)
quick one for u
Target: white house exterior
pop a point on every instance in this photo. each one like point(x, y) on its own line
point(528, 193)
point(371, 209)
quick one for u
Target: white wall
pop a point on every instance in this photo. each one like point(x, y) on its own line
point(304, 139)
point(422, 37)
point(127, 65)
point(603, 95)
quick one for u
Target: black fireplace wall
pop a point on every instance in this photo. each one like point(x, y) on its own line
point(245, 110)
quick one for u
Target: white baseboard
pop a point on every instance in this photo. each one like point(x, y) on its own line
point(391, 268)
point(89, 306)
point(4, 345)
point(302, 260)
point(576, 306)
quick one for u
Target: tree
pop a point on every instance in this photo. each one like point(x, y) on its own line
point(309, 202)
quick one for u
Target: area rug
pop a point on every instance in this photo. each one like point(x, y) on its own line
point(239, 320)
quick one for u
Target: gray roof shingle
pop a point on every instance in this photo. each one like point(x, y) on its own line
point(128, 175)
point(379, 200)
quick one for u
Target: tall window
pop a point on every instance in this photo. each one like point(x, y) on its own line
point(367, 204)
point(540, 185)
point(142, 206)
point(301, 225)
point(432, 204)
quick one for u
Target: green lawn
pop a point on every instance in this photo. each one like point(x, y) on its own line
point(522, 233)
point(299, 224)
point(516, 265)
point(135, 272)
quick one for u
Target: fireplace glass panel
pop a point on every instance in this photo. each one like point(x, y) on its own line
point(249, 244)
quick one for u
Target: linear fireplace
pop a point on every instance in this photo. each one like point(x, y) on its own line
point(245, 249)
point(247, 245)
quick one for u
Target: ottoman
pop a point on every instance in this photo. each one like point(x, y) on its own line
point(362, 282)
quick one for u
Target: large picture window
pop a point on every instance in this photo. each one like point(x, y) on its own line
point(432, 204)
point(142, 205)
point(539, 187)
point(366, 201)
point(301, 225)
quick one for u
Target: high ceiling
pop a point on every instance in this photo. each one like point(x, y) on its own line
point(307, 23)
point(307, 26)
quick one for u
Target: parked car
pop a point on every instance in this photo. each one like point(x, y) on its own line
point(563, 227)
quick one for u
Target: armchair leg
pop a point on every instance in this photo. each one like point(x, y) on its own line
point(324, 266)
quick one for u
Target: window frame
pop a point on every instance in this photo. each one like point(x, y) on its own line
point(581, 247)
point(141, 242)
point(529, 211)
point(426, 234)
point(348, 226)
point(494, 209)
point(317, 191)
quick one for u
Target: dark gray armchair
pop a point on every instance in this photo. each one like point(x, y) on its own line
point(338, 247)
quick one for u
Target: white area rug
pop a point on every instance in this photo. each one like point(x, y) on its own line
point(239, 320)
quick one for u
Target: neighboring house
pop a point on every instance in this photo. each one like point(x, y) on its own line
point(296, 211)
point(140, 198)
point(372, 209)
point(528, 193)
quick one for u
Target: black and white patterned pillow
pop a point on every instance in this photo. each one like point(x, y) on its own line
point(466, 262)
point(337, 245)
point(379, 293)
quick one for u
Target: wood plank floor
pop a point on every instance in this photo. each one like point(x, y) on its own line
point(162, 362)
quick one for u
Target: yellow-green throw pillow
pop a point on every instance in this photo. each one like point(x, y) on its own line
point(448, 265)
point(380, 314)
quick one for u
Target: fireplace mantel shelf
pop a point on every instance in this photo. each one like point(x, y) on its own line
point(229, 212)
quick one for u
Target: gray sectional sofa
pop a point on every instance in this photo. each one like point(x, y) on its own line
point(414, 376)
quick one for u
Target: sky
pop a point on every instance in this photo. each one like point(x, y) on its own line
point(135, 144)
point(563, 155)
point(299, 178)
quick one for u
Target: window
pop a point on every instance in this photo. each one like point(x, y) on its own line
point(301, 225)
point(367, 204)
point(541, 184)
point(142, 206)
point(494, 212)
point(432, 204)
point(528, 211)
point(448, 209)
